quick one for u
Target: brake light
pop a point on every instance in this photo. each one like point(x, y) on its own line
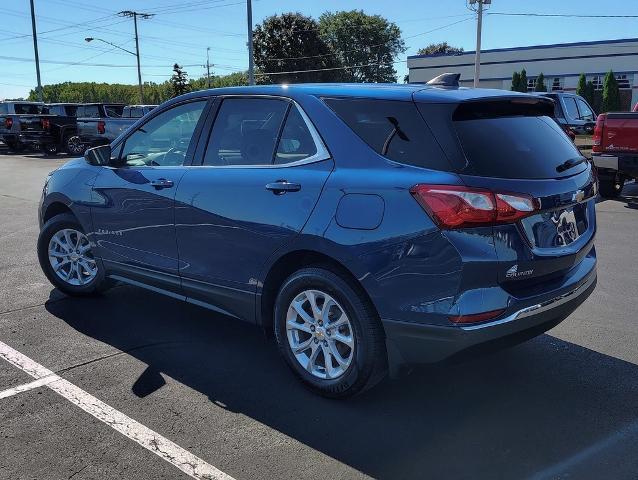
point(597, 138)
point(45, 123)
point(453, 207)
point(8, 123)
point(101, 127)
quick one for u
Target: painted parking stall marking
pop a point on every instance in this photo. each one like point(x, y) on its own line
point(144, 436)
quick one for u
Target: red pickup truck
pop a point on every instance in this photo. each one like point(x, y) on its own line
point(615, 150)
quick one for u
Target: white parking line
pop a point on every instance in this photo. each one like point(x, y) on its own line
point(144, 436)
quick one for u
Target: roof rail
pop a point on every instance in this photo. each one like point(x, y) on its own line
point(445, 80)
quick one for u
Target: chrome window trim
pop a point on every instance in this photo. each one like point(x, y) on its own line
point(322, 151)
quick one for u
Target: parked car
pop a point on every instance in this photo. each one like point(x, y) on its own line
point(367, 226)
point(615, 151)
point(101, 123)
point(11, 113)
point(136, 111)
point(572, 112)
point(52, 130)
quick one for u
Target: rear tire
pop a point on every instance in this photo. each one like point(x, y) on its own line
point(74, 145)
point(344, 330)
point(66, 257)
point(610, 184)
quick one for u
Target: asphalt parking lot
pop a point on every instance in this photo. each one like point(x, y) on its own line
point(564, 405)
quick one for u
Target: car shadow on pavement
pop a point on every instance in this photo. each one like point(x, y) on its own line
point(544, 409)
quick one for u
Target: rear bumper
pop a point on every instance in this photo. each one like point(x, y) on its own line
point(625, 164)
point(40, 138)
point(410, 343)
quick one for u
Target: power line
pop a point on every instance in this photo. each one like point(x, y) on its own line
point(559, 15)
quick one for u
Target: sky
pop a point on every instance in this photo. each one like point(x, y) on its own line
point(180, 31)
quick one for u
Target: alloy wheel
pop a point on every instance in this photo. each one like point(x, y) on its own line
point(320, 334)
point(71, 258)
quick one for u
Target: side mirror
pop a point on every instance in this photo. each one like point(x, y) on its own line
point(98, 156)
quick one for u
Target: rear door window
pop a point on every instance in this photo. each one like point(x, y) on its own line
point(296, 142)
point(511, 143)
point(394, 129)
point(114, 111)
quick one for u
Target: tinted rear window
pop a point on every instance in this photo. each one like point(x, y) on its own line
point(394, 129)
point(519, 144)
point(27, 108)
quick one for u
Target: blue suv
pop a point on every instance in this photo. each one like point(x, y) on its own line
point(367, 227)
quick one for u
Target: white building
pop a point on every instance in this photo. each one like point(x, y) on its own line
point(561, 64)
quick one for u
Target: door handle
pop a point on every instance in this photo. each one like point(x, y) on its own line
point(161, 183)
point(282, 186)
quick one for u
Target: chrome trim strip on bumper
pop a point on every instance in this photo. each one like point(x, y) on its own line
point(537, 308)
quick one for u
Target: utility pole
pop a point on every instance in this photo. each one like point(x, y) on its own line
point(479, 27)
point(208, 67)
point(131, 13)
point(251, 64)
point(37, 57)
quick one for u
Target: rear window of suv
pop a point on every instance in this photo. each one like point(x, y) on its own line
point(394, 129)
point(513, 141)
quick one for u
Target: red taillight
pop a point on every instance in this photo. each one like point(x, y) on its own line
point(570, 133)
point(8, 123)
point(452, 206)
point(45, 123)
point(101, 127)
point(475, 317)
point(597, 138)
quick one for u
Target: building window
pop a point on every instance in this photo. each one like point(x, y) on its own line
point(623, 81)
point(557, 84)
point(531, 84)
point(621, 78)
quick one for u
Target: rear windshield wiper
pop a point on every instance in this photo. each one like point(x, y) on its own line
point(567, 164)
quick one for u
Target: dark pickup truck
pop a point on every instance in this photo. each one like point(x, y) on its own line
point(11, 116)
point(615, 151)
point(53, 130)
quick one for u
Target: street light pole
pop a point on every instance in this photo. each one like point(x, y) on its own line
point(131, 13)
point(207, 67)
point(479, 28)
point(251, 64)
point(37, 57)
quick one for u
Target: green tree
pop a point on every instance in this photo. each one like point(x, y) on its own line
point(179, 81)
point(540, 83)
point(516, 82)
point(611, 93)
point(581, 88)
point(289, 49)
point(590, 94)
point(522, 86)
point(367, 44)
point(440, 48)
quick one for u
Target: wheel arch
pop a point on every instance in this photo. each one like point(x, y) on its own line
point(291, 262)
point(55, 208)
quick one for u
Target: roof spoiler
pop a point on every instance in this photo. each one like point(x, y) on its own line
point(445, 80)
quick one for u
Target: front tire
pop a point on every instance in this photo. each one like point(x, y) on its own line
point(66, 257)
point(329, 334)
point(50, 149)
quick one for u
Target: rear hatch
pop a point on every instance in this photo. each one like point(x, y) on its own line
point(513, 146)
